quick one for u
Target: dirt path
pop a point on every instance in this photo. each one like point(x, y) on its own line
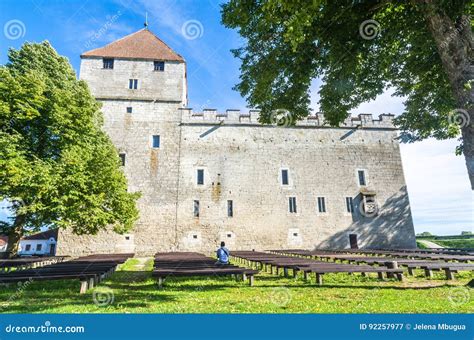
point(430, 244)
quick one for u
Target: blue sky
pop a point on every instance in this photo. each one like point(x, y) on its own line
point(440, 194)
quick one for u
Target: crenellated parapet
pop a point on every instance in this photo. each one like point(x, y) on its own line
point(236, 116)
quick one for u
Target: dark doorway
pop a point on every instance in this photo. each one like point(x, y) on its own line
point(52, 250)
point(353, 241)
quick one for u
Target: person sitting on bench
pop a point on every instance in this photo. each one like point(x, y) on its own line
point(223, 254)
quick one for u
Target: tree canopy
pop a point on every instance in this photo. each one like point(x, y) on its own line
point(359, 48)
point(57, 166)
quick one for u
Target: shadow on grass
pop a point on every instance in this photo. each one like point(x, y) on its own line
point(139, 290)
point(129, 290)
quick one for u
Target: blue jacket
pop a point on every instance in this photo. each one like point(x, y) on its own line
point(223, 255)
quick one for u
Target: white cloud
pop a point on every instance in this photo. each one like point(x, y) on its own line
point(440, 195)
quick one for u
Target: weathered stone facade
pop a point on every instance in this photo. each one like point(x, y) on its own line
point(242, 162)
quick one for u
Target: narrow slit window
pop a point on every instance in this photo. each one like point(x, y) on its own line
point(349, 205)
point(133, 84)
point(122, 159)
point(284, 177)
point(200, 177)
point(159, 66)
point(156, 141)
point(292, 204)
point(108, 63)
point(362, 180)
point(196, 208)
point(230, 208)
point(321, 204)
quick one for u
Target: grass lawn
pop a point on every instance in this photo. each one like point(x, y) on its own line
point(132, 290)
point(420, 245)
point(456, 243)
point(448, 243)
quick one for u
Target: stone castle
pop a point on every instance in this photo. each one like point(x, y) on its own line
point(211, 176)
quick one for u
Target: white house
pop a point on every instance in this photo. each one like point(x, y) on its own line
point(3, 243)
point(43, 243)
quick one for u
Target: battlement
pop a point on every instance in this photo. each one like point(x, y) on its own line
point(251, 117)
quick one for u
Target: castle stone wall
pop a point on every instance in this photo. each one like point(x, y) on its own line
point(242, 161)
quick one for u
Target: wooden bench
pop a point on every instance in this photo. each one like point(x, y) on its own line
point(90, 270)
point(26, 263)
point(428, 264)
point(272, 261)
point(181, 264)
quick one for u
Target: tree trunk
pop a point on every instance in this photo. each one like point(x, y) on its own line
point(455, 44)
point(14, 236)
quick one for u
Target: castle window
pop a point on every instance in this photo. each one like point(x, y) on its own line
point(321, 204)
point(156, 141)
point(200, 177)
point(196, 208)
point(108, 63)
point(361, 175)
point(122, 158)
point(159, 65)
point(195, 236)
point(349, 205)
point(38, 247)
point(129, 109)
point(133, 84)
point(230, 208)
point(229, 235)
point(292, 204)
point(28, 247)
point(127, 238)
point(284, 177)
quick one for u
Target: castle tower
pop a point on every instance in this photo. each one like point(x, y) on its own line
point(141, 83)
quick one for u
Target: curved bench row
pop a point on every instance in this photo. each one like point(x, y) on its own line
point(90, 270)
point(195, 264)
point(274, 262)
point(429, 264)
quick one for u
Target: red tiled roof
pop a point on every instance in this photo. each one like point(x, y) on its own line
point(45, 235)
point(142, 44)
